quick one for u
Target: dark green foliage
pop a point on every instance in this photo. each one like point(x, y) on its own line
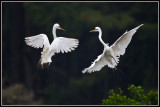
point(137, 96)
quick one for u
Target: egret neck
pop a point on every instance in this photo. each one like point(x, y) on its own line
point(54, 32)
point(100, 37)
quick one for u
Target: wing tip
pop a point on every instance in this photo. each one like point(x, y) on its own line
point(84, 71)
point(139, 26)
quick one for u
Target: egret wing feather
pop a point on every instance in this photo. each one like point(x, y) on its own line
point(97, 65)
point(121, 43)
point(37, 41)
point(62, 44)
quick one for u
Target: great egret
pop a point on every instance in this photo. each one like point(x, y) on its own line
point(111, 54)
point(59, 44)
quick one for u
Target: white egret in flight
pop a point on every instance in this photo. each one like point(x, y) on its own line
point(111, 54)
point(59, 44)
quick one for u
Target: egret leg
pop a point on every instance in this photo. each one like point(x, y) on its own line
point(114, 69)
point(114, 59)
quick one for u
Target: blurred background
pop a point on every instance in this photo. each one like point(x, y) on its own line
point(63, 82)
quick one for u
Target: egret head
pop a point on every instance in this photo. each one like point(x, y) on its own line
point(57, 26)
point(97, 29)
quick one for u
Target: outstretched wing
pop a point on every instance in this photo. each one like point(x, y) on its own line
point(37, 41)
point(121, 44)
point(97, 65)
point(62, 44)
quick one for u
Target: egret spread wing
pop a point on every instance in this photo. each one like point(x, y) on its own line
point(121, 44)
point(37, 41)
point(62, 44)
point(97, 64)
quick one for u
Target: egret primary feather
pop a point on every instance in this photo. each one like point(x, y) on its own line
point(111, 54)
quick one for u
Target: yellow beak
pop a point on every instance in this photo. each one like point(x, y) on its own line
point(61, 28)
point(92, 31)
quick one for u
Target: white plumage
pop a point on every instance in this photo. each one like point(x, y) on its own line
point(63, 44)
point(110, 55)
point(59, 44)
